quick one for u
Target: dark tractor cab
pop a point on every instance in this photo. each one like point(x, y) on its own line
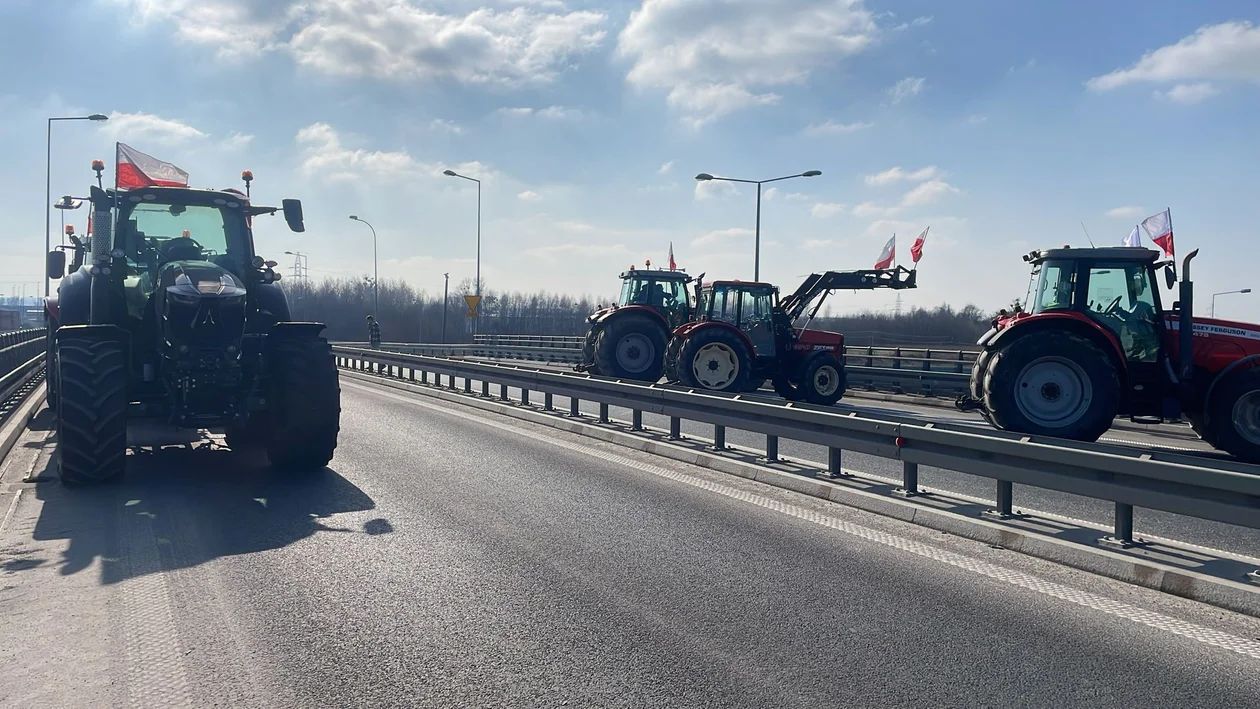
point(174, 318)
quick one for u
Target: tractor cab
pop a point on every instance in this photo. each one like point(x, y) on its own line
point(748, 306)
point(659, 289)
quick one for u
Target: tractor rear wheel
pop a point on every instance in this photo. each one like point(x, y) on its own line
point(631, 348)
point(50, 364)
point(1052, 384)
point(1234, 421)
point(304, 403)
point(786, 388)
point(714, 358)
point(821, 379)
point(92, 410)
point(671, 359)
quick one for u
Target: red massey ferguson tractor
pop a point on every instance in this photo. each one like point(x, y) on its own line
point(1095, 344)
point(627, 340)
point(743, 335)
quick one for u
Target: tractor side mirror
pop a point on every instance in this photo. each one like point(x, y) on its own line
point(56, 264)
point(1170, 276)
point(293, 214)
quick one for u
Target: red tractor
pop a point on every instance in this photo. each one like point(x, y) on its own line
point(743, 335)
point(1094, 344)
point(627, 340)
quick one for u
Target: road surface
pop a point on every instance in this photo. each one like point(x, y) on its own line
point(450, 558)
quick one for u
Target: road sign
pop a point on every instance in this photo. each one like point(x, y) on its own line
point(473, 301)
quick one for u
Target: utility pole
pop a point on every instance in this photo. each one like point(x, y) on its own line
point(445, 289)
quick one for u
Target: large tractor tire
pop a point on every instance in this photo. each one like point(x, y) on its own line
point(92, 410)
point(50, 365)
point(304, 403)
point(1234, 416)
point(1052, 384)
point(716, 359)
point(631, 348)
point(671, 359)
point(786, 388)
point(821, 379)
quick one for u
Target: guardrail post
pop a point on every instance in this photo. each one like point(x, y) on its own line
point(603, 413)
point(574, 411)
point(959, 367)
point(675, 427)
point(525, 396)
point(927, 360)
point(870, 356)
point(547, 403)
point(719, 437)
point(909, 480)
point(636, 420)
point(1003, 508)
point(772, 448)
point(503, 392)
point(467, 385)
point(485, 388)
point(411, 374)
point(453, 382)
point(834, 459)
point(1123, 537)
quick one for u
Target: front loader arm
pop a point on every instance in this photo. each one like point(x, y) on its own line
point(817, 284)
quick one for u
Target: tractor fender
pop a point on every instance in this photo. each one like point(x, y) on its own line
point(603, 316)
point(1220, 377)
point(74, 298)
point(689, 329)
point(1068, 322)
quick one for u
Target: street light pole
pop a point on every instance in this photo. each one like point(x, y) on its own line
point(477, 282)
point(446, 284)
point(705, 177)
point(376, 277)
point(1212, 313)
point(48, 185)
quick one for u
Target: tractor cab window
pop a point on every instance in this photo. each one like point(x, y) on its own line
point(755, 318)
point(725, 304)
point(664, 294)
point(1055, 284)
point(1120, 298)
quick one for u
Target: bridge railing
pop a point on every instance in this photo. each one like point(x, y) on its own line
point(1219, 490)
point(21, 361)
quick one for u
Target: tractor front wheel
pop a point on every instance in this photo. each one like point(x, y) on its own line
point(91, 411)
point(714, 358)
point(304, 403)
point(1234, 421)
point(822, 380)
point(631, 348)
point(1052, 384)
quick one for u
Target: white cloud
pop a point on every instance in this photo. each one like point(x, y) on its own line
point(324, 155)
point(770, 193)
point(665, 168)
point(549, 113)
point(724, 237)
point(579, 249)
point(897, 174)
point(796, 197)
point(1229, 51)
point(1126, 212)
point(135, 128)
point(976, 118)
point(529, 196)
point(866, 210)
point(715, 56)
point(390, 39)
point(928, 193)
point(711, 189)
point(833, 128)
point(920, 21)
point(908, 87)
point(822, 210)
point(812, 244)
point(236, 141)
point(440, 124)
point(1030, 64)
point(1188, 94)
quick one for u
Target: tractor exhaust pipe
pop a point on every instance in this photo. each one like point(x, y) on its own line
point(1185, 324)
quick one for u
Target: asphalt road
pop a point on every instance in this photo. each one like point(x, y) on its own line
point(448, 558)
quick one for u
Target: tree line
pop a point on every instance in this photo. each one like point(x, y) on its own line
point(410, 315)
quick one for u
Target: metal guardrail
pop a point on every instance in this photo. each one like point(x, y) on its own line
point(1206, 488)
point(21, 361)
point(561, 341)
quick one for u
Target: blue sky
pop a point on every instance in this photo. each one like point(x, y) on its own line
point(1008, 125)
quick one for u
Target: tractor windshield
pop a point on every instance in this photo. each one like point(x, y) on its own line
point(659, 293)
point(1056, 282)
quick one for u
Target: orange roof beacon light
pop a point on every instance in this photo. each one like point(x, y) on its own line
point(648, 264)
point(69, 230)
point(186, 234)
point(248, 177)
point(99, 167)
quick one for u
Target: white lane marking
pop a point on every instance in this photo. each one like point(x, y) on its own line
point(8, 516)
point(1141, 616)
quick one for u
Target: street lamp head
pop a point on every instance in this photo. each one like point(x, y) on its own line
point(289, 253)
point(450, 173)
point(354, 217)
point(811, 173)
point(98, 117)
point(1245, 290)
point(704, 176)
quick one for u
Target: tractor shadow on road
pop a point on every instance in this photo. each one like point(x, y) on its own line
point(178, 508)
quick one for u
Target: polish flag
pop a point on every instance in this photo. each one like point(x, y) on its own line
point(888, 255)
point(916, 250)
point(672, 265)
point(135, 169)
point(1159, 229)
point(1134, 238)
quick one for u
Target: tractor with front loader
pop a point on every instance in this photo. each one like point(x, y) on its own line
point(1093, 343)
point(627, 339)
point(171, 318)
point(743, 334)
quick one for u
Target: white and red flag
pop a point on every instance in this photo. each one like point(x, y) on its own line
point(672, 265)
point(135, 169)
point(1134, 238)
point(916, 249)
point(888, 255)
point(1159, 229)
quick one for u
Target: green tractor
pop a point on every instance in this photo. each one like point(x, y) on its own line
point(627, 339)
point(171, 318)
